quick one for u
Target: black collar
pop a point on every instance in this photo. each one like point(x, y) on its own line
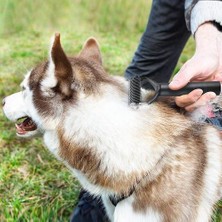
point(116, 199)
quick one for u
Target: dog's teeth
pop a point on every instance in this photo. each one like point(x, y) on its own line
point(30, 122)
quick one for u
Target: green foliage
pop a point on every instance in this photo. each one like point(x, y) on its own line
point(33, 185)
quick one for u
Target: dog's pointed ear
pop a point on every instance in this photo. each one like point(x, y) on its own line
point(91, 51)
point(62, 66)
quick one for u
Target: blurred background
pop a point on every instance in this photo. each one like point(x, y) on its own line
point(33, 185)
point(94, 15)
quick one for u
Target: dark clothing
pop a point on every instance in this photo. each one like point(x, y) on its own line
point(89, 209)
point(162, 42)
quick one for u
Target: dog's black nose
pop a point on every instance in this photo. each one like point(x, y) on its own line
point(3, 102)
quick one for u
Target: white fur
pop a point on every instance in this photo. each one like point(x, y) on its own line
point(24, 84)
point(107, 118)
point(124, 212)
point(15, 107)
point(50, 80)
point(109, 207)
point(52, 142)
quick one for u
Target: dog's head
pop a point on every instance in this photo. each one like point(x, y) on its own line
point(51, 86)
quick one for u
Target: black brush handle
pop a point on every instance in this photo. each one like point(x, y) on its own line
point(214, 86)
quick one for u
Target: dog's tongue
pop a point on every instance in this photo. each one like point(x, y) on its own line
point(25, 126)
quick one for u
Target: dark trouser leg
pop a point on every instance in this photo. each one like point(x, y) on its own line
point(161, 43)
point(89, 209)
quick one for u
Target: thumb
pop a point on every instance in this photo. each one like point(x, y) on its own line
point(186, 73)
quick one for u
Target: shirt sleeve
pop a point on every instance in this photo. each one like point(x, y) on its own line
point(199, 11)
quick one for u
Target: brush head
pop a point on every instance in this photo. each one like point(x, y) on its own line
point(162, 89)
point(134, 90)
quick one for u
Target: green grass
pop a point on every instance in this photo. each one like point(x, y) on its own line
point(33, 185)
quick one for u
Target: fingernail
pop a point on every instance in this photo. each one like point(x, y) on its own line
point(198, 93)
point(174, 83)
point(212, 95)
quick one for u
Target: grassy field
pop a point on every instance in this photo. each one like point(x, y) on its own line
point(33, 185)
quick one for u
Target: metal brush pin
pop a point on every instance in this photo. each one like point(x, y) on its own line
point(135, 91)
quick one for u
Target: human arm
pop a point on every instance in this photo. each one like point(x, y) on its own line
point(206, 64)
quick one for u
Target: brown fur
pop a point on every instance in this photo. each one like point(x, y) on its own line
point(84, 160)
point(171, 186)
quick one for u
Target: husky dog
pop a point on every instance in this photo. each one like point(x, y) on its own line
point(166, 166)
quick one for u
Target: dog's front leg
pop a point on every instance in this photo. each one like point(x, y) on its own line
point(124, 211)
point(109, 207)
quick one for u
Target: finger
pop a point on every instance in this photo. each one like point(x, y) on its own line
point(203, 100)
point(186, 73)
point(218, 76)
point(186, 100)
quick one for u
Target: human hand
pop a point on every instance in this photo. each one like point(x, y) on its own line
point(205, 65)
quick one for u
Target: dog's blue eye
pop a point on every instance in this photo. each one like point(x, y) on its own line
point(23, 88)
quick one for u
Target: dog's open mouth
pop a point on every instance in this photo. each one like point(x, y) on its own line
point(24, 125)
